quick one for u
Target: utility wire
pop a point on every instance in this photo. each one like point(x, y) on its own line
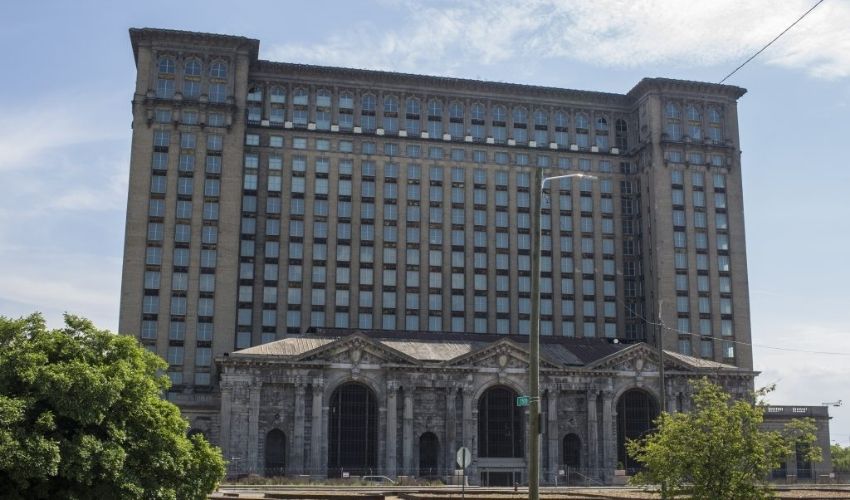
point(739, 342)
point(771, 42)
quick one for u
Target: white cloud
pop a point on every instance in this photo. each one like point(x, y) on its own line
point(449, 38)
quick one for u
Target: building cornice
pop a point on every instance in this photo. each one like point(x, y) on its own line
point(424, 83)
point(142, 36)
point(667, 85)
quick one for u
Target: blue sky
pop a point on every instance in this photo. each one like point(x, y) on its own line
point(65, 132)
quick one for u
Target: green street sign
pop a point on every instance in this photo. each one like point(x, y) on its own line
point(522, 400)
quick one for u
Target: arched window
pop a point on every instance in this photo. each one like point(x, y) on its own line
point(498, 127)
point(429, 453)
point(714, 128)
point(435, 108)
point(571, 454)
point(673, 127)
point(636, 411)
point(412, 106)
point(390, 104)
point(368, 121)
point(713, 114)
point(300, 113)
point(218, 69)
point(694, 122)
point(582, 131)
point(456, 120)
point(621, 129)
point(192, 67)
point(300, 97)
point(255, 94)
point(278, 95)
point(601, 134)
point(671, 110)
point(541, 118)
point(520, 133)
point(192, 78)
point(499, 114)
point(352, 430)
point(346, 110)
point(275, 453)
point(346, 100)
point(541, 127)
point(562, 125)
point(323, 98)
point(166, 66)
point(412, 120)
point(477, 123)
point(500, 426)
point(435, 118)
point(323, 109)
point(478, 111)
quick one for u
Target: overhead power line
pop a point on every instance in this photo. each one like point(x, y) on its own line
point(771, 42)
point(739, 342)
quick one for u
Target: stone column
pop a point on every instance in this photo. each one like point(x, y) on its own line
point(451, 428)
point(592, 433)
point(553, 435)
point(407, 429)
point(609, 452)
point(298, 432)
point(316, 430)
point(392, 428)
point(224, 433)
point(468, 421)
point(254, 428)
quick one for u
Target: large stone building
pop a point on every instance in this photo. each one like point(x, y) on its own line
point(306, 245)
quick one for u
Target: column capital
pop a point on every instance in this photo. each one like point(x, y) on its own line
point(393, 385)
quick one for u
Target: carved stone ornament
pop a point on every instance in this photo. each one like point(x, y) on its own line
point(355, 355)
point(503, 360)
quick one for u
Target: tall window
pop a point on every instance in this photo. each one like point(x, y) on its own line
point(500, 426)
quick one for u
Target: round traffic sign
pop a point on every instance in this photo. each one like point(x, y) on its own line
point(464, 457)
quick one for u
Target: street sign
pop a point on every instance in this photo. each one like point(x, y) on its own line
point(522, 400)
point(464, 457)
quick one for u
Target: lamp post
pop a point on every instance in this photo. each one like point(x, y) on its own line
point(534, 337)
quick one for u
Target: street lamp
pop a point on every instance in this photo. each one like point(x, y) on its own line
point(534, 337)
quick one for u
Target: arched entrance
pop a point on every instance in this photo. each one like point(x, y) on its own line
point(429, 453)
point(501, 446)
point(275, 453)
point(352, 430)
point(636, 409)
point(572, 451)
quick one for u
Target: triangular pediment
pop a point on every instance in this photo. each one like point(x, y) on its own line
point(644, 358)
point(356, 349)
point(500, 354)
point(635, 358)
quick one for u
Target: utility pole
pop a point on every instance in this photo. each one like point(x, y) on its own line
point(534, 333)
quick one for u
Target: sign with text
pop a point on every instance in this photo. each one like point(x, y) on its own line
point(522, 401)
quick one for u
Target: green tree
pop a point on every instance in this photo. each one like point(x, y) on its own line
point(718, 451)
point(81, 416)
point(840, 458)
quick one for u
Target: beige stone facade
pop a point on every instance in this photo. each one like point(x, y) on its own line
point(269, 201)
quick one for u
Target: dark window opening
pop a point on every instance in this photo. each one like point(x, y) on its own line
point(636, 411)
point(275, 453)
point(429, 452)
point(353, 431)
point(500, 428)
point(572, 451)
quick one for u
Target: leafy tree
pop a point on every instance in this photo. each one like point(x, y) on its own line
point(718, 451)
point(840, 458)
point(81, 416)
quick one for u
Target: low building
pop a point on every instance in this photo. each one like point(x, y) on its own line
point(797, 468)
point(367, 403)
